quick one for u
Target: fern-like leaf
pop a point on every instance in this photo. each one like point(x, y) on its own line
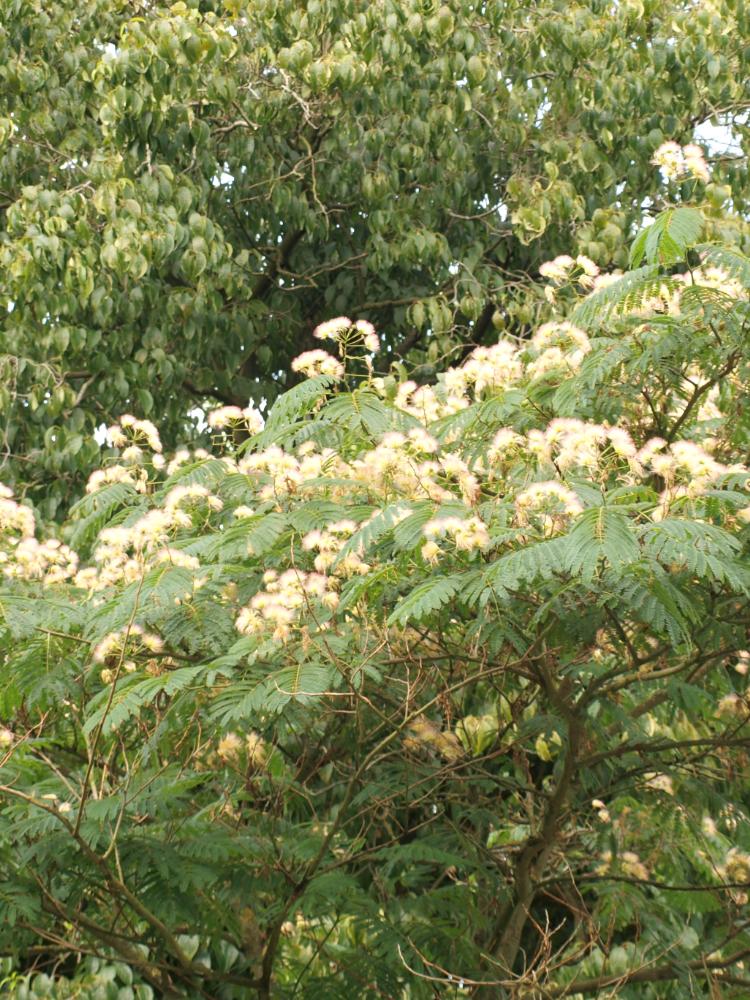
point(426, 597)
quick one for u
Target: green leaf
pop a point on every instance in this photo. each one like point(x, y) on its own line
point(600, 533)
point(426, 597)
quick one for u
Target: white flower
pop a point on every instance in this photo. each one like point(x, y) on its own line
point(243, 511)
point(180, 495)
point(14, 517)
point(312, 363)
point(133, 454)
point(369, 337)
point(224, 416)
point(676, 160)
point(590, 271)
point(587, 265)
point(117, 437)
point(669, 158)
point(695, 162)
point(332, 328)
point(253, 419)
point(557, 269)
point(469, 534)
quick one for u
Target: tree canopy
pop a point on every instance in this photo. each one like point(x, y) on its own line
point(409, 690)
point(188, 189)
point(374, 500)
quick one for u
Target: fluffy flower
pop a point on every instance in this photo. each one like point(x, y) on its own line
point(117, 474)
point(332, 328)
point(569, 339)
point(468, 534)
point(180, 457)
point(587, 265)
point(312, 363)
point(49, 561)
point(284, 601)
point(329, 543)
point(695, 162)
point(551, 503)
point(495, 367)
point(181, 496)
point(669, 158)
point(589, 269)
point(571, 443)
point(628, 861)
point(505, 445)
point(430, 551)
point(676, 161)
point(243, 511)
point(14, 517)
point(224, 416)
point(133, 638)
point(253, 419)
point(229, 747)
point(557, 269)
point(133, 454)
point(660, 783)
point(370, 339)
point(138, 430)
point(176, 557)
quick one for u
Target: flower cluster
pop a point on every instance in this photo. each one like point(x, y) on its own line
point(313, 363)
point(276, 473)
point(712, 276)
point(736, 870)
point(423, 402)
point(688, 470)
point(468, 534)
point(49, 561)
point(22, 556)
point(495, 367)
point(132, 640)
point(184, 457)
point(398, 464)
point(667, 298)
point(232, 416)
point(15, 519)
point(232, 748)
point(551, 504)
point(124, 554)
point(628, 862)
point(346, 332)
point(130, 431)
point(328, 543)
point(192, 496)
point(679, 161)
point(137, 478)
point(557, 345)
point(564, 267)
point(568, 443)
point(286, 597)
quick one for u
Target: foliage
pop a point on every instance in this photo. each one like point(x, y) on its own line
point(407, 690)
point(187, 188)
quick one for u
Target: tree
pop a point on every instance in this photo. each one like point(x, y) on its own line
point(187, 190)
point(417, 689)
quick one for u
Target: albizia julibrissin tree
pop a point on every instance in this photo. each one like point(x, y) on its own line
point(406, 690)
point(187, 188)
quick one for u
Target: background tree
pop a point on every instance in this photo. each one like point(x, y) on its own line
point(188, 189)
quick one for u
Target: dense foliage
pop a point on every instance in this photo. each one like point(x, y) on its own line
point(374, 499)
point(406, 690)
point(186, 189)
